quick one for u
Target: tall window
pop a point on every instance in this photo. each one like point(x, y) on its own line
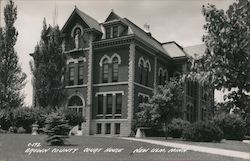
point(80, 72)
point(115, 70)
point(109, 103)
point(117, 128)
point(105, 71)
point(141, 72)
point(165, 77)
point(98, 128)
point(118, 109)
point(71, 74)
point(160, 77)
point(107, 128)
point(100, 104)
point(147, 74)
point(108, 32)
point(115, 31)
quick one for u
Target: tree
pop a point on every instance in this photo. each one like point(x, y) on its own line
point(165, 104)
point(12, 79)
point(226, 63)
point(57, 128)
point(48, 68)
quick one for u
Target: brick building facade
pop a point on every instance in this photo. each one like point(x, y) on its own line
point(113, 66)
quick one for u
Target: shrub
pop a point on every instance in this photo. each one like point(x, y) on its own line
point(6, 117)
point(74, 118)
point(57, 128)
point(24, 117)
point(232, 125)
point(176, 127)
point(12, 129)
point(205, 131)
point(21, 130)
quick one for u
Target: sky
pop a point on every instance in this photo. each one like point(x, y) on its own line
point(169, 20)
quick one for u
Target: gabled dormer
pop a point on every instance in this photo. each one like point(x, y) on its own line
point(113, 26)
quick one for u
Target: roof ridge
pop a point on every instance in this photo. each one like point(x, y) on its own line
point(86, 14)
point(143, 31)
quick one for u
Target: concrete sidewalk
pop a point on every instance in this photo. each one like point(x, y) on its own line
point(217, 151)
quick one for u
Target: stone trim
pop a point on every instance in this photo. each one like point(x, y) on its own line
point(71, 60)
point(138, 84)
point(110, 59)
point(76, 86)
point(143, 95)
point(145, 63)
point(110, 84)
point(131, 78)
point(73, 30)
point(109, 92)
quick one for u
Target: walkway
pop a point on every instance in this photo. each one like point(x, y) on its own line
point(224, 152)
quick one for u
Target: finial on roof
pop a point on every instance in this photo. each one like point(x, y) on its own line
point(75, 6)
point(112, 10)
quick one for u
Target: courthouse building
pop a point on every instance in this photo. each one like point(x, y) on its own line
point(113, 66)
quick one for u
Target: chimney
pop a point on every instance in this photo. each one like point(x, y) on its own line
point(146, 29)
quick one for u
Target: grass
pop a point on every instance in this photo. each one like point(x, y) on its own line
point(13, 146)
point(224, 144)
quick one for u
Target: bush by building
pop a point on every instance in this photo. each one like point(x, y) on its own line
point(232, 125)
point(203, 131)
point(176, 127)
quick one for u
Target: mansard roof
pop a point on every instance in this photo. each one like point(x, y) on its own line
point(91, 22)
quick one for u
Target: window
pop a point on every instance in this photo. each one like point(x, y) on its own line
point(98, 128)
point(109, 103)
point(108, 32)
point(146, 99)
point(71, 74)
point(165, 77)
point(141, 72)
point(105, 71)
point(115, 70)
point(140, 101)
point(107, 128)
point(100, 104)
point(117, 128)
point(118, 109)
point(160, 77)
point(147, 74)
point(80, 72)
point(115, 31)
point(75, 101)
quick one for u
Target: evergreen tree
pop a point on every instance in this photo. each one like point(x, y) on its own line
point(12, 79)
point(48, 69)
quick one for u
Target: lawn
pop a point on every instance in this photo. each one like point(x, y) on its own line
point(13, 147)
point(224, 144)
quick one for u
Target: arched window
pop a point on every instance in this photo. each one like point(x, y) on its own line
point(115, 69)
point(75, 103)
point(105, 71)
point(141, 71)
point(147, 74)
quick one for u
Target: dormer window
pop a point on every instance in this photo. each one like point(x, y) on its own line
point(115, 31)
point(112, 32)
point(108, 32)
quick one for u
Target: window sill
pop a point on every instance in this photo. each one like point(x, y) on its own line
point(76, 86)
